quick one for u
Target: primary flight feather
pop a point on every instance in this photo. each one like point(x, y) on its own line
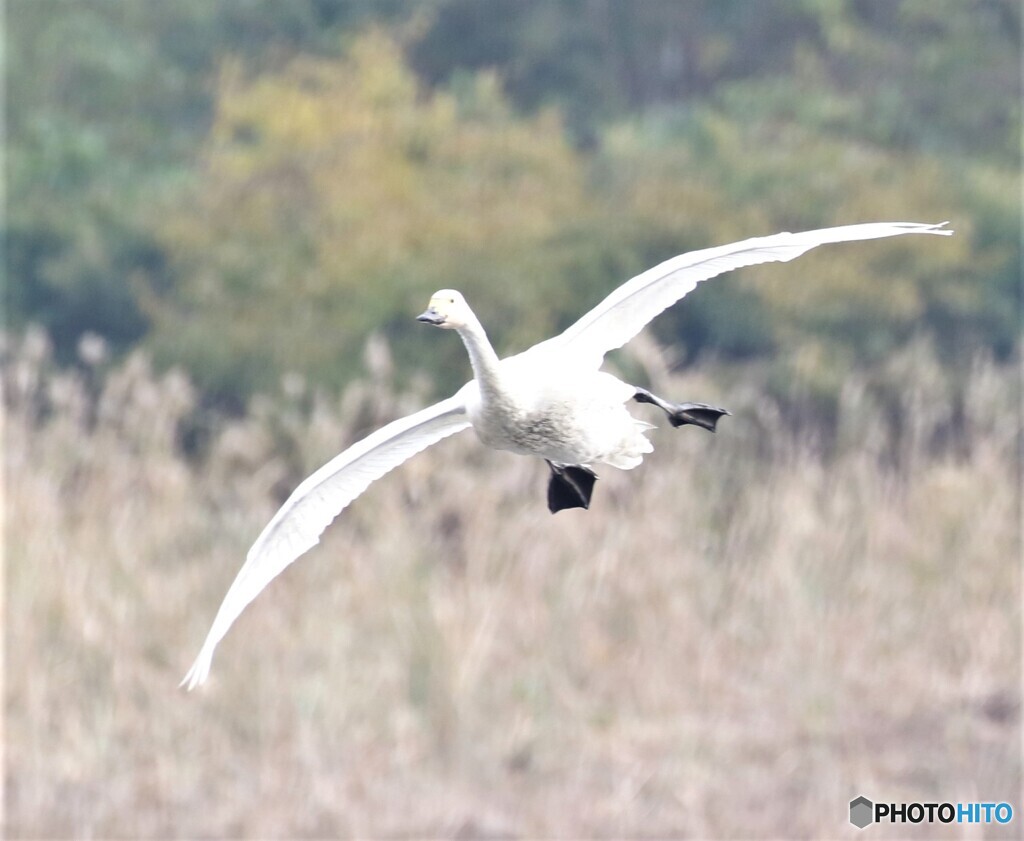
point(550, 401)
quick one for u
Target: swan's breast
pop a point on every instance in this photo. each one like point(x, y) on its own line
point(551, 430)
point(545, 413)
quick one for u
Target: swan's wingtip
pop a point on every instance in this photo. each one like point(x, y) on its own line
point(197, 675)
point(926, 227)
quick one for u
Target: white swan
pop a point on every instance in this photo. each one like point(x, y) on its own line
point(550, 401)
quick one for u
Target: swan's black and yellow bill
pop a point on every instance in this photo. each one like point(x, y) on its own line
point(570, 486)
point(431, 316)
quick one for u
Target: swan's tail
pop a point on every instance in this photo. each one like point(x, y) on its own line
point(631, 450)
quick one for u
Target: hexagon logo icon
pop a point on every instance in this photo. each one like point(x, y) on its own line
point(862, 812)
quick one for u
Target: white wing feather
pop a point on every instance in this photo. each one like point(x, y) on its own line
point(298, 524)
point(624, 313)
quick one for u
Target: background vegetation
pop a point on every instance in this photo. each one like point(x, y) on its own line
point(220, 219)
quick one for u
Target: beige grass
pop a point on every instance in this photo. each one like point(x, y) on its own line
point(739, 637)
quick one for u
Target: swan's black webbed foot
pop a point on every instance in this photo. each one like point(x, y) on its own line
point(699, 414)
point(680, 414)
point(570, 486)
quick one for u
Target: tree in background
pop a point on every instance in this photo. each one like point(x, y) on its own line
point(335, 197)
point(251, 188)
point(935, 74)
point(107, 104)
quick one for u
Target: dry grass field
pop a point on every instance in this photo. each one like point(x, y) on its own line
point(738, 637)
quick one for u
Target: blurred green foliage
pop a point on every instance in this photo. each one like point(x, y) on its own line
point(250, 188)
point(336, 197)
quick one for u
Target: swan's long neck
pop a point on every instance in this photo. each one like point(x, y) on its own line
point(482, 357)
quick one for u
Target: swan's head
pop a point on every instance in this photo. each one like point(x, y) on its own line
point(448, 309)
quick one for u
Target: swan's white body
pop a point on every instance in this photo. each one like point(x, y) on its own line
point(550, 401)
point(554, 412)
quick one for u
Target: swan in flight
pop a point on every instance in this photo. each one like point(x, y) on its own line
point(550, 401)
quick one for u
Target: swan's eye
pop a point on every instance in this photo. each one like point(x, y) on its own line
point(451, 300)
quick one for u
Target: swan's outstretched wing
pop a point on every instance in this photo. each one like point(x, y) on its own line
point(297, 526)
point(624, 313)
